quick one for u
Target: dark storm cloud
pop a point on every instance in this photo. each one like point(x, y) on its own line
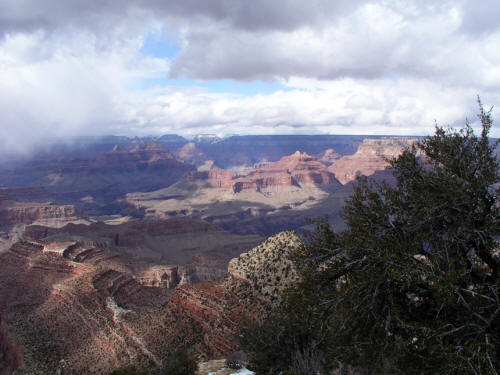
point(256, 15)
point(262, 39)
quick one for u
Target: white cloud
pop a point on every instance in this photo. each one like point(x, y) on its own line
point(345, 106)
point(386, 67)
point(51, 87)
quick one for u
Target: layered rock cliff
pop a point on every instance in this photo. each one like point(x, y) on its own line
point(207, 316)
point(58, 309)
point(370, 157)
point(297, 169)
point(30, 212)
point(295, 182)
point(191, 154)
point(203, 249)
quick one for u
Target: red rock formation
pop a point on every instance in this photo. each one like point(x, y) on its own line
point(207, 316)
point(330, 156)
point(29, 212)
point(214, 177)
point(191, 154)
point(296, 169)
point(60, 309)
point(370, 157)
point(200, 249)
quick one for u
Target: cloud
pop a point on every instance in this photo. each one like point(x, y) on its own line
point(344, 106)
point(348, 66)
point(52, 87)
point(258, 15)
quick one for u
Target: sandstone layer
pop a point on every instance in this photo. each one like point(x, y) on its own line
point(31, 212)
point(370, 157)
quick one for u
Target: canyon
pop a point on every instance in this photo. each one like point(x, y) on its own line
point(94, 311)
point(295, 182)
point(120, 250)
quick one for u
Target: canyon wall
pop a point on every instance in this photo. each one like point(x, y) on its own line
point(30, 212)
point(370, 157)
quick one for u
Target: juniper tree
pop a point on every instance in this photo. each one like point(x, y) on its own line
point(412, 286)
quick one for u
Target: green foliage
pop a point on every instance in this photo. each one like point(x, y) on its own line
point(421, 285)
point(273, 343)
point(412, 286)
point(179, 362)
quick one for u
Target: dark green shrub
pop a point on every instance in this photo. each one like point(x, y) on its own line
point(179, 362)
point(130, 370)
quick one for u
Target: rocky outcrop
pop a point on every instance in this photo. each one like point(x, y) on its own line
point(329, 156)
point(205, 247)
point(160, 276)
point(298, 169)
point(295, 182)
point(295, 170)
point(215, 177)
point(268, 266)
point(62, 310)
point(207, 316)
point(370, 157)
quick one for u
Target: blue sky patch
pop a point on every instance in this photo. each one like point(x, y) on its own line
point(159, 44)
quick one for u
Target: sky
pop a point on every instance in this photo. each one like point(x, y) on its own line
point(153, 67)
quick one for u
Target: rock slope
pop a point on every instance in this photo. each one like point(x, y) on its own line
point(31, 212)
point(268, 267)
point(207, 316)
